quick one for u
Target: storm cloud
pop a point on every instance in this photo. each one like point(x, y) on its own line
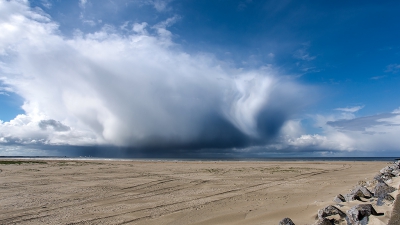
point(135, 89)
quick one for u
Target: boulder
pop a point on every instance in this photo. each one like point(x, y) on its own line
point(350, 197)
point(389, 168)
point(357, 193)
point(362, 183)
point(382, 177)
point(378, 178)
point(286, 221)
point(382, 189)
point(339, 199)
point(389, 198)
point(330, 210)
point(371, 183)
point(323, 221)
point(387, 175)
point(394, 166)
point(385, 170)
point(359, 214)
point(396, 172)
point(361, 192)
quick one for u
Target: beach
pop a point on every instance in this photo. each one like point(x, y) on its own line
point(176, 192)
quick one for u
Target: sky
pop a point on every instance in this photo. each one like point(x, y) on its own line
point(173, 78)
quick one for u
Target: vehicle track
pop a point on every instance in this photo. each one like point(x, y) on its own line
point(33, 211)
point(161, 188)
point(223, 195)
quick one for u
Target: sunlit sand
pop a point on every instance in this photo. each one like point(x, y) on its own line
point(181, 192)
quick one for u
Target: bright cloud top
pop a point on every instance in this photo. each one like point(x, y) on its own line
point(135, 89)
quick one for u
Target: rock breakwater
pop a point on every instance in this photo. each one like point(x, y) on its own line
point(365, 203)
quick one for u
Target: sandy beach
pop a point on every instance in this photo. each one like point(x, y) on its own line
point(181, 192)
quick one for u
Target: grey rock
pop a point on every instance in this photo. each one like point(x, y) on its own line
point(387, 175)
point(371, 183)
point(382, 189)
point(357, 193)
point(350, 197)
point(339, 198)
point(330, 210)
point(389, 198)
point(382, 177)
point(396, 172)
point(324, 221)
point(378, 178)
point(385, 170)
point(286, 221)
point(361, 192)
point(359, 214)
point(389, 168)
point(394, 166)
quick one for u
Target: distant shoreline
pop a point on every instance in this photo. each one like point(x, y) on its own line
point(271, 159)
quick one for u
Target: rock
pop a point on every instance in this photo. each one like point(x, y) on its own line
point(361, 192)
point(371, 183)
point(382, 189)
point(339, 198)
point(362, 183)
point(350, 197)
point(394, 166)
point(383, 177)
point(396, 172)
point(387, 175)
point(323, 221)
point(389, 169)
point(330, 211)
point(378, 178)
point(359, 214)
point(286, 221)
point(384, 170)
point(389, 198)
point(357, 193)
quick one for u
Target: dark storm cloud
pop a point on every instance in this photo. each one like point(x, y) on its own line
point(135, 90)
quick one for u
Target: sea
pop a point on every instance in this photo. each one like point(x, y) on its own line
point(384, 159)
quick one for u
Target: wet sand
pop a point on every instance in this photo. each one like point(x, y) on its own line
point(167, 192)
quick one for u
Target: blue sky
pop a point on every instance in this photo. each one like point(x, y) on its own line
point(229, 77)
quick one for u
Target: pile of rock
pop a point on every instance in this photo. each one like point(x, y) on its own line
point(358, 214)
point(388, 172)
